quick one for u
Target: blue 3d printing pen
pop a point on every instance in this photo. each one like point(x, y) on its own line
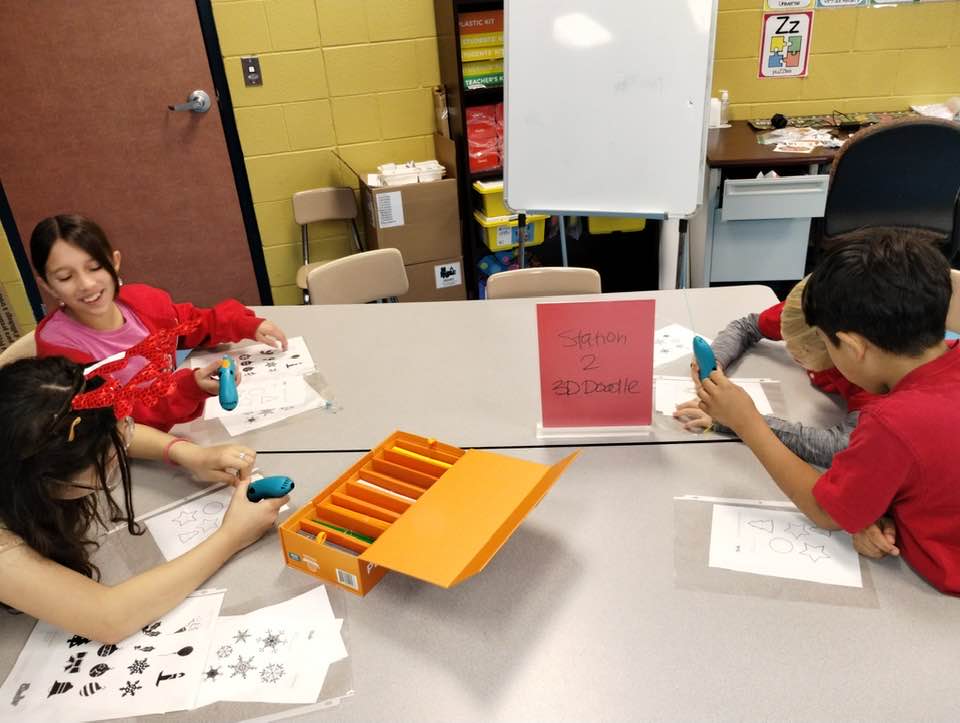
point(705, 358)
point(277, 485)
point(228, 384)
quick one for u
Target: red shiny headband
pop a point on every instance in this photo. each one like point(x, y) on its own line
point(158, 350)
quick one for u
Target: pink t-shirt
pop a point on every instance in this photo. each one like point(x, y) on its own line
point(65, 331)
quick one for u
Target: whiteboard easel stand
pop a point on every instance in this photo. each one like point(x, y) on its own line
point(563, 240)
point(522, 238)
point(683, 255)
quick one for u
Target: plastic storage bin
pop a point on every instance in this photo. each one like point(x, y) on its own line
point(490, 198)
point(609, 224)
point(501, 232)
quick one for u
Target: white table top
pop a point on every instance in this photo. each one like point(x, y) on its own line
point(600, 606)
point(467, 372)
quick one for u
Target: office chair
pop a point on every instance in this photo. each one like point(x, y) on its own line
point(22, 348)
point(902, 173)
point(359, 278)
point(544, 281)
point(322, 204)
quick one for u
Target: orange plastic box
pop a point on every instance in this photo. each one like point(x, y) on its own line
point(440, 513)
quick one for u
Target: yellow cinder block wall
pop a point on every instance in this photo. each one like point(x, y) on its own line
point(355, 76)
point(861, 59)
point(13, 286)
point(351, 76)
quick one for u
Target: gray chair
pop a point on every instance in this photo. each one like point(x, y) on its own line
point(543, 281)
point(359, 279)
point(22, 348)
point(903, 173)
point(322, 204)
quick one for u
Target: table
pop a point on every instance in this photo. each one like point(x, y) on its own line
point(467, 372)
point(601, 605)
point(596, 609)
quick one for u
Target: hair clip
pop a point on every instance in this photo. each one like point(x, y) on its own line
point(149, 385)
point(72, 432)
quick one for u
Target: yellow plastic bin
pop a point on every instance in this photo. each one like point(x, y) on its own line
point(490, 198)
point(500, 232)
point(609, 224)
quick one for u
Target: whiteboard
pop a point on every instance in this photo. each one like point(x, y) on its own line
point(606, 105)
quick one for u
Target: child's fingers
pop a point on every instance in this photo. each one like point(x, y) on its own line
point(211, 369)
point(216, 475)
point(865, 547)
point(276, 502)
point(889, 528)
point(280, 337)
point(689, 404)
point(883, 538)
point(879, 540)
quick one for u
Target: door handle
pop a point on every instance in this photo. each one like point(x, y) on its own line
point(198, 102)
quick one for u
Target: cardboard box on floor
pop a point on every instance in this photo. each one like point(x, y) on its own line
point(436, 281)
point(420, 219)
point(417, 506)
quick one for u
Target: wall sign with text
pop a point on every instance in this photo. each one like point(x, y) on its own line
point(785, 45)
point(596, 363)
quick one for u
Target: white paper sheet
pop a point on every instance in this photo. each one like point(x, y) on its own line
point(260, 361)
point(672, 342)
point(277, 654)
point(254, 420)
point(781, 544)
point(671, 391)
point(182, 528)
point(258, 396)
point(64, 677)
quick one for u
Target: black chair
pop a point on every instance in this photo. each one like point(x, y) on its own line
point(901, 173)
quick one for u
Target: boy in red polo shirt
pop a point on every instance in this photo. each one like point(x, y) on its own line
point(879, 301)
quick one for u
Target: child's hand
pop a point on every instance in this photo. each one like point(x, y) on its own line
point(272, 335)
point(223, 463)
point(246, 521)
point(725, 401)
point(692, 417)
point(877, 540)
point(208, 377)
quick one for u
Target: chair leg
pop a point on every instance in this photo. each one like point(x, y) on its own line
point(358, 244)
point(305, 243)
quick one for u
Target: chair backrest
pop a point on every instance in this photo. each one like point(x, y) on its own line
point(358, 279)
point(324, 204)
point(545, 281)
point(25, 346)
point(902, 173)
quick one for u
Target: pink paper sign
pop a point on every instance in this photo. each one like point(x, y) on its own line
point(596, 363)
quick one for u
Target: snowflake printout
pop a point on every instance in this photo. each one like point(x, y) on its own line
point(277, 654)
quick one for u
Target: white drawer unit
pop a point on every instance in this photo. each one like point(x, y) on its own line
point(751, 199)
point(758, 229)
point(760, 250)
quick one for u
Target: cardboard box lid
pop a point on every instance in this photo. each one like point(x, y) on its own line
point(457, 526)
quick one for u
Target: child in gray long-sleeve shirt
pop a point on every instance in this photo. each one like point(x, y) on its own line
point(785, 321)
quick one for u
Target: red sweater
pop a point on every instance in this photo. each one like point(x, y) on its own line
point(228, 321)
